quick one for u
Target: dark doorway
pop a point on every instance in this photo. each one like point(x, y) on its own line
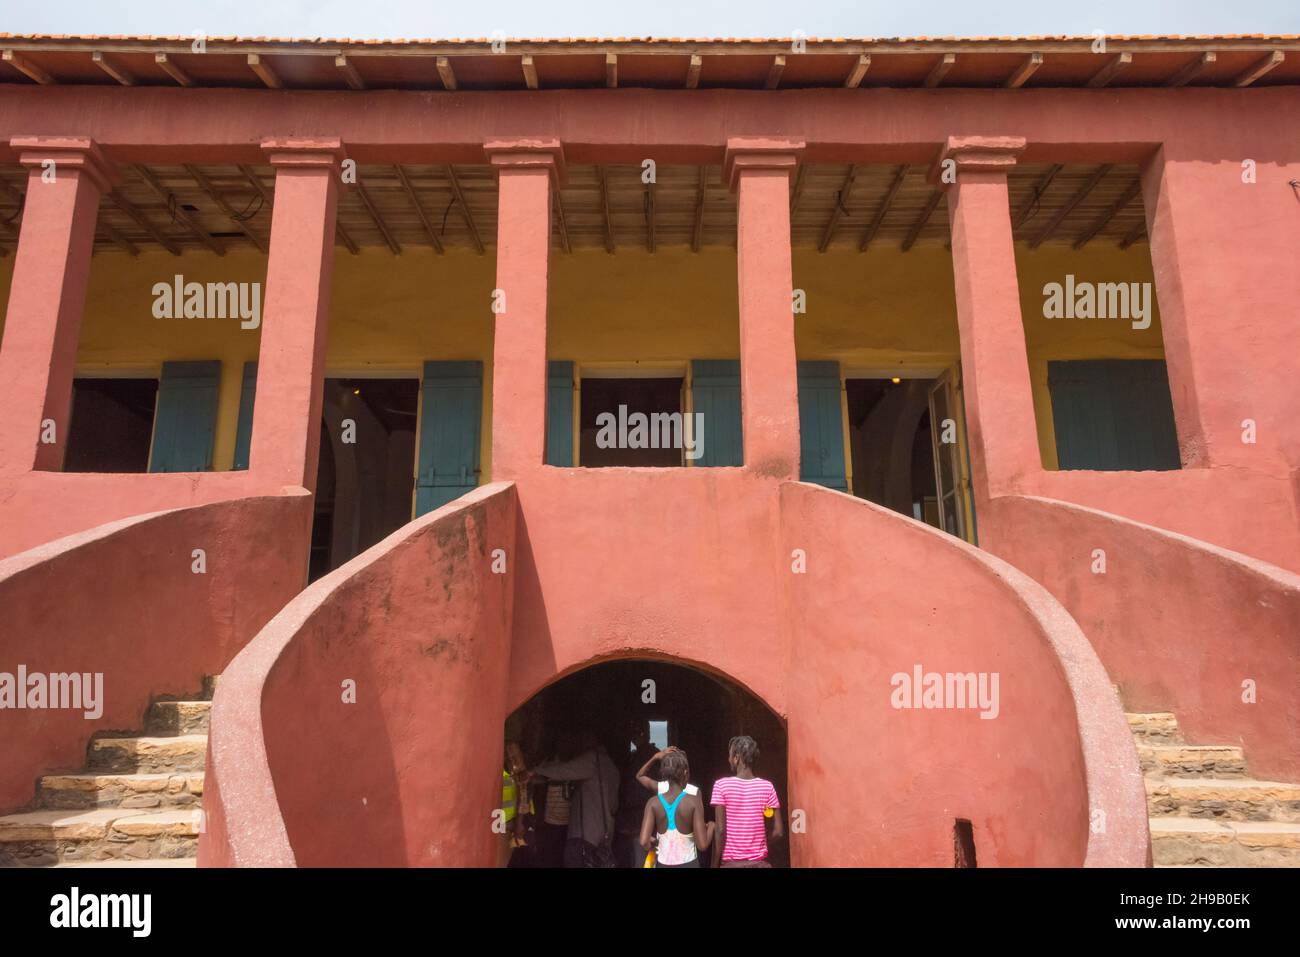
point(367, 467)
point(111, 427)
point(892, 446)
point(621, 398)
point(695, 710)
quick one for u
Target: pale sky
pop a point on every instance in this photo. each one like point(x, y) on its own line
point(634, 18)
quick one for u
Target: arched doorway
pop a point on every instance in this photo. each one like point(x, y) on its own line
point(625, 701)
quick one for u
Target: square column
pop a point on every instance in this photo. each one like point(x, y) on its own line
point(995, 362)
point(66, 176)
point(526, 171)
point(291, 361)
point(759, 169)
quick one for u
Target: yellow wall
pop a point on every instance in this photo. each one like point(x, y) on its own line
point(875, 310)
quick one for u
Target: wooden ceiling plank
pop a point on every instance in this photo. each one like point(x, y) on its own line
point(940, 70)
point(1101, 221)
point(126, 206)
point(774, 72)
point(883, 210)
point(854, 79)
point(464, 209)
point(915, 232)
point(183, 214)
point(796, 191)
point(1024, 71)
point(1079, 196)
point(1117, 65)
point(1136, 234)
point(349, 72)
point(1194, 69)
point(447, 74)
point(1040, 187)
point(206, 185)
point(611, 70)
point(419, 209)
point(1259, 68)
point(264, 72)
point(113, 69)
point(841, 201)
point(27, 68)
point(172, 69)
point(530, 71)
point(116, 237)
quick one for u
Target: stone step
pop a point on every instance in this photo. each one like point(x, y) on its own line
point(48, 837)
point(1189, 841)
point(90, 789)
point(133, 862)
point(1225, 799)
point(1187, 760)
point(149, 754)
point(178, 717)
point(1154, 727)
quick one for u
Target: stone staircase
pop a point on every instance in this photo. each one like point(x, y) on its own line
point(1205, 810)
point(137, 803)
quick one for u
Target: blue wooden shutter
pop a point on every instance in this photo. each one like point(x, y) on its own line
point(821, 426)
point(559, 413)
point(1113, 415)
point(244, 429)
point(450, 414)
point(186, 420)
point(715, 393)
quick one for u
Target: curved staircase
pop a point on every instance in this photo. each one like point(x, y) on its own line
point(1205, 809)
point(136, 803)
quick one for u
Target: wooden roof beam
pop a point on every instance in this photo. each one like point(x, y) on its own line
point(774, 72)
point(1070, 204)
point(1100, 222)
point(530, 71)
point(111, 68)
point(419, 210)
point(854, 79)
point(378, 220)
point(697, 234)
point(1136, 234)
point(940, 70)
point(915, 232)
point(142, 221)
point(693, 71)
point(116, 237)
point(840, 210)
point(1024, 71)
point(447, 74)
point(883, 210)
point(603, 176)
point(172, 69)
point(1118, 64)
point(1040, 187)
point(796, 191)
point(183, 214)
point(1259, 68)
point(1194, 69)
point(27, 68)
point(264, 71)
point(268, 200)
point(611, 70)
point(561, 223)
point(205, 184)
point(464, 209)
point(349, 72)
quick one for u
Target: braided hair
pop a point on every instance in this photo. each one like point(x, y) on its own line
point(745, 749)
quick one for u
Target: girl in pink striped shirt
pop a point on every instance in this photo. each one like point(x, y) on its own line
point(741, 804)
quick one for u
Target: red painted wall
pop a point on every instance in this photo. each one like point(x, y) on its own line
point(122, 599)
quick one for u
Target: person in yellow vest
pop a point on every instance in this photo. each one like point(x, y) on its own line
point(513, 808)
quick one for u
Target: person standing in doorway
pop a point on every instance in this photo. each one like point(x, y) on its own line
point(674, 822)
point(741, 805)
point(594, 801)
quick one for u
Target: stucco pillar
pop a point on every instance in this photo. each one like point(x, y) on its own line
point(291, 361)
point(526, 171)
point(995, 362)
point(66, 176)
point(759, 170)
point(1223, 252)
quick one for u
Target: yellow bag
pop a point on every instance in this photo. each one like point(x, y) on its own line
point(649, 858)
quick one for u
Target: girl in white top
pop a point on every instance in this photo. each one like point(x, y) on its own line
point(674, 818)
